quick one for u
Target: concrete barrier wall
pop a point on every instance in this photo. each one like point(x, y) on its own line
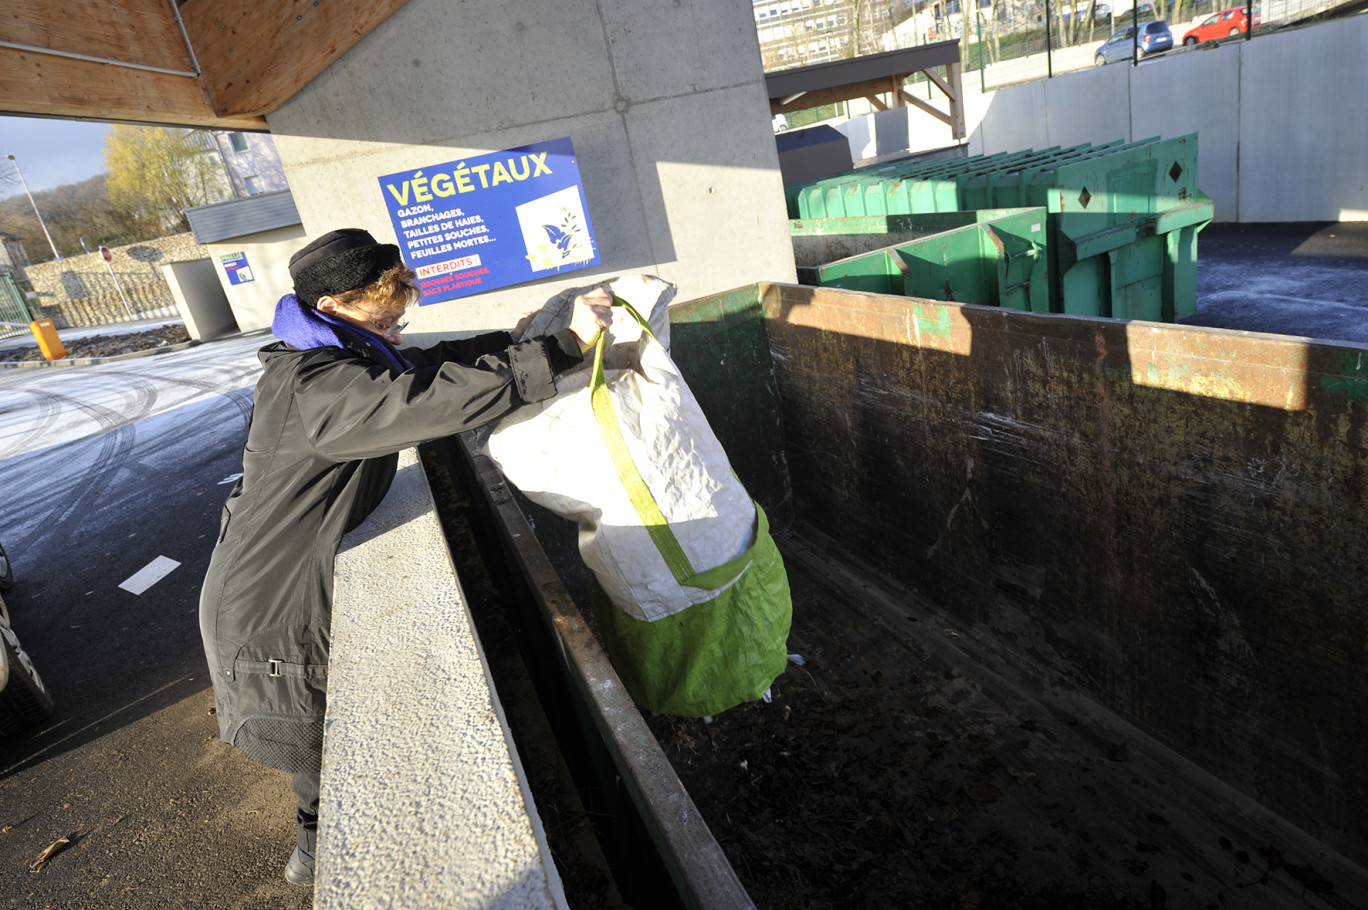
point(1279, 119)
point(424, 803)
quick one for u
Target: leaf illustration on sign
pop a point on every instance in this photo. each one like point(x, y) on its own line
point(552, 232)
point(562, 235)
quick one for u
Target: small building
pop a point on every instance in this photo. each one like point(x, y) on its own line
point(250, 241)
point(252, 162)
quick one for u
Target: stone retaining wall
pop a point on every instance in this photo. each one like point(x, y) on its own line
point(80, 291)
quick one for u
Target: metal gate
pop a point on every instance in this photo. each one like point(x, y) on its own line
point(14, 312)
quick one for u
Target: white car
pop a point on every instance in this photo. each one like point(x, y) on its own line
point(24, 701)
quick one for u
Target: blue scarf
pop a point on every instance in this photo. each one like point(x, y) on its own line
point(304, 327)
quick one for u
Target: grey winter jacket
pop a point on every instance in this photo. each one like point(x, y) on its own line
point(321, 451)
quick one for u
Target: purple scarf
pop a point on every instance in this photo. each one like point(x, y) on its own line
point(304, 327)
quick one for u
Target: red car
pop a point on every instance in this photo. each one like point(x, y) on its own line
point(1226, 24)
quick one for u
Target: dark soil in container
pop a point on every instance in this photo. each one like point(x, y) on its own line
point(890, 769)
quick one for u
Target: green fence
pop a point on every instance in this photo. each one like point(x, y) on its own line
point(14, 312)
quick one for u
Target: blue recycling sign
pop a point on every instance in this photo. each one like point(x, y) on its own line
point(236, 268)
point(491, 221)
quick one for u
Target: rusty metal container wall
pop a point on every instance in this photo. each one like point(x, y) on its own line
point(1170, 518)
point(721, 340)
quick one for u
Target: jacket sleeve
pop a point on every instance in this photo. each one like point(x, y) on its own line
point(352, 408)
point(459, 350)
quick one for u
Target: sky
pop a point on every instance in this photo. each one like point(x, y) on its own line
point(49, 153)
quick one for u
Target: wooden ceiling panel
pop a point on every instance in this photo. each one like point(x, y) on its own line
point(258, 53)
point(61, 87)
point(131, 31)
point(253, 56)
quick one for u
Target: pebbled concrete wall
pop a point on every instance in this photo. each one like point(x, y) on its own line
point(424, 803)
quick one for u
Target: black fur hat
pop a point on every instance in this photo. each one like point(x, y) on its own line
point(340, 261)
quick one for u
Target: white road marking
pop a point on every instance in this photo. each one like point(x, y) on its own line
point(149, 575)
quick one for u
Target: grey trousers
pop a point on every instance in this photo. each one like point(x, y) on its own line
point(306, 787)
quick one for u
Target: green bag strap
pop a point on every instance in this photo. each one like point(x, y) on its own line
point(724, 574)
point(647, 509)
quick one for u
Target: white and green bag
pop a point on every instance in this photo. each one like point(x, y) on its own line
point(700, 606)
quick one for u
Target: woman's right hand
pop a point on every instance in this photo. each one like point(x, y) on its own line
point(592, 313)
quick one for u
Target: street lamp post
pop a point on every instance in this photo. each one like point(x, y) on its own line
point(55, 254)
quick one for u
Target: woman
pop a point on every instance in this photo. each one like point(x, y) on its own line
point(335, 404)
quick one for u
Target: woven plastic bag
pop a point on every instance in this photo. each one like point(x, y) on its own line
point(700, 607)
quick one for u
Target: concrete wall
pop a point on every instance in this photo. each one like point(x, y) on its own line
point(1279, 119)
point(268, 255)
point(1273, 146)
point(424, 803)
point(666, 106)
point(199, 298)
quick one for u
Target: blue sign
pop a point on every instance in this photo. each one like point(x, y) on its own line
point(491, 221)
point(236, 268)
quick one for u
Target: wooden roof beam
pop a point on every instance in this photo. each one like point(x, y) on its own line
point(44, 85)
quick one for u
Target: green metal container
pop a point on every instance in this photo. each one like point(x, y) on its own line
point(988, 257)
point(1121, 218)
point(1123, 232)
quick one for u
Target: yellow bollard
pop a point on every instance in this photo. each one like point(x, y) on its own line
point(48, 342)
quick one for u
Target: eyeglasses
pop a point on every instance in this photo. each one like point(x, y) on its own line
point(391, 329)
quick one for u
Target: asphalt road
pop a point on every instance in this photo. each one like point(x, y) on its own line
point(105, 469)
point(1303, 279)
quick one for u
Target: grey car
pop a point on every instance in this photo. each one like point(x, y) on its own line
point(1155, 37)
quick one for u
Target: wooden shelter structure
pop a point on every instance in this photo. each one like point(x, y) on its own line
point(874, 76)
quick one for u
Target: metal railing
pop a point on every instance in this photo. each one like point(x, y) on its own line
point(1012, 36)
point(14, 312)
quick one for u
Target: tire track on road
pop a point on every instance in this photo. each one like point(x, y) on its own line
point(116, 439)
point(49, 411)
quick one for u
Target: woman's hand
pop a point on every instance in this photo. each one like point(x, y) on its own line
point(523, 322)
point(592, 313)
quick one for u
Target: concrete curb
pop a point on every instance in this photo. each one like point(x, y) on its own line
point(91, 361)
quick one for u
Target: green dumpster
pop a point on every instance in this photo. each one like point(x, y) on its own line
point(988, 257)
point(1124, 232)
point(1121, 218)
